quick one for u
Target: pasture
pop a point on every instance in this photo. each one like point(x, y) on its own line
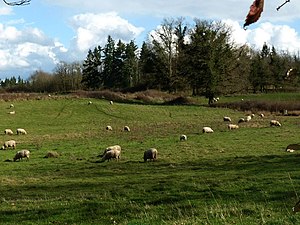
point(240, 176)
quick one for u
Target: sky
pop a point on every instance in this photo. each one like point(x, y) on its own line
point(44, 33)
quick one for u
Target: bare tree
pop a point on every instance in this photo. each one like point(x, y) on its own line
point(21, 2)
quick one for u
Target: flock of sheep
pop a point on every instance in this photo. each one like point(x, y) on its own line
point(12, 143)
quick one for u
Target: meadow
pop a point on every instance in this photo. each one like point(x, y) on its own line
point(241, 176)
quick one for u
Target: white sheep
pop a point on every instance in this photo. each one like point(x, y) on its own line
point(90, 102)
point(150, 154)
point(275, 123)
point(111, 102)
point(126, 128)
point(113, 147)
point(207, 130)
point(233, 126)
point(227, 118)
point(108, 128)
point(9, 144)
point(183, 137)
point(8, 131)
point(22, 154)
point(111, 154)
point(12, 112)
point(262, 115)
point(248, 118)
point(21, 131)
point(11, 106)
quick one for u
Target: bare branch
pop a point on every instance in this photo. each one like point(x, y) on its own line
point(282, 4)
point(21, 2)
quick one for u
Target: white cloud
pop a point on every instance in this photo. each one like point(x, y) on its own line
point(5, 11)
point(93, 29)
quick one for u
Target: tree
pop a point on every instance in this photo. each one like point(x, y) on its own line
point(211, 57)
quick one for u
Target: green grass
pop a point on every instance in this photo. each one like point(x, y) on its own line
point(229, 177)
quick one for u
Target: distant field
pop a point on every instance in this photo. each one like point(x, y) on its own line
point(241, 176)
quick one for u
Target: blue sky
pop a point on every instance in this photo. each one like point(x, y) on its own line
point(46, 32)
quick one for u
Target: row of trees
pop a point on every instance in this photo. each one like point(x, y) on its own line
point(200, 59)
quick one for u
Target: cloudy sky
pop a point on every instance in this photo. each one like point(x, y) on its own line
point(45, 32)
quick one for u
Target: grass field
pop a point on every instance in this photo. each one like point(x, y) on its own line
point(229, 177)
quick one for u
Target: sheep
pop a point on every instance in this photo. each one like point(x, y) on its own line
point(183, 137)
point(241, 120)
point(21, 131)
point(8, 131)
point(126, 128)
point(111, 154)
point(275, 123)
point(12, 112)
point(248, 118)
point(113, 147)
point(108, 128)
point(9, 144)
point(111, 102)
point(227, 118)
point(52, 154)
point(262, 115)
point(292, 147)
point(150, 154)
point(90, 102)
point(207, 130)
point(22, 154)
point(233, 126)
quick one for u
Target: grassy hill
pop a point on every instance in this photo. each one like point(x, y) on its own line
point(241, 176)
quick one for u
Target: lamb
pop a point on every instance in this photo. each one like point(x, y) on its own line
point(183, 137)
point(233, 126)
point(111, 154)
point(8, 131)
point(126, 128)
point(22, 154)
point(227, 118)
point(9, 144)
point(108, 128)
point(207, 130)
point(21, 131)
point(150, 154)
point(275, 123)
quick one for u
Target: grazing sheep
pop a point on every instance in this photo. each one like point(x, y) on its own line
point(90, 102)
point(207, 130)
point(12, 112)
point(183, 137)
point(227, 118)
point(150, 154)
point(113, 147)
point(21, 131)
point(292, 147)
point(111, 154)
point(248, 118)
point(241, 120)
point(262, 115)
point(126, 128)
point(275, 123)
point(52, 154)
point(11, 106)
point(9, 144)
point(108, 128)
point(111, 102)
point(233, 126)
point(8, 131)
point(22, 154)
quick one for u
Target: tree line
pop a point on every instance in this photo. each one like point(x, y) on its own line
point(201, 59)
